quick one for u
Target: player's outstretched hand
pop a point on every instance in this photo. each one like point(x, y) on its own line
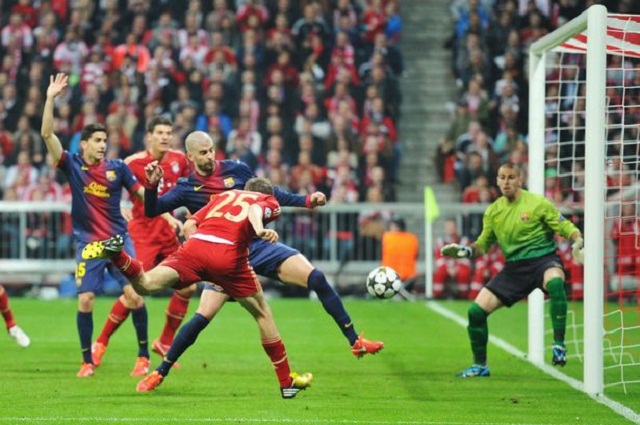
point(153, 172)
point(456, 251)
point(57, 84)
point(577, 250)
point(269, 235)
point(317, 199)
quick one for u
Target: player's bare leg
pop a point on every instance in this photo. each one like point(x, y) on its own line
point(290, 383)
point(297, 270)
point(211, 301)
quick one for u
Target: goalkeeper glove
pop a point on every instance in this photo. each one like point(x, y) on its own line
point(455, 250)
point(576, 250)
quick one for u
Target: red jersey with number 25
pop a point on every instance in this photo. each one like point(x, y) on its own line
point(155, 230)
point(226, 216)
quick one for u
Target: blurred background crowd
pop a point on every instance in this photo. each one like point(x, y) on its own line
point(490, 42)
point(305, 92)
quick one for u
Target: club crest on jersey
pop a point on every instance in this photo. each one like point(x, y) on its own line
point(111, 175)
point(267, 212)
point(175, 167)
point(229, 182)
point(525, 216)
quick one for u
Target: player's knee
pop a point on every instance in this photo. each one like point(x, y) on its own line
point(187, 292)
point(555, 288)
point(477, 316)
point(133, 300)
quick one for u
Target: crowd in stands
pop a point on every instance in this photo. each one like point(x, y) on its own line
point(305, 92)
point(490, 43)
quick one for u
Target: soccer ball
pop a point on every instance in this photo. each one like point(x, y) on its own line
point(383, 282)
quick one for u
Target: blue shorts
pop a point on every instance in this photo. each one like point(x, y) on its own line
point(89, 274)
point(266, 257)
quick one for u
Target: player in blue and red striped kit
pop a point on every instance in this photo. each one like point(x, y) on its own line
point(96, 186)
point(276, 261)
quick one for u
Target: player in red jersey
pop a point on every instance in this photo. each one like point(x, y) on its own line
point(217, 250)
point(154, 238)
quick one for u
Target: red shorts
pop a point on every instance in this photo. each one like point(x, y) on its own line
point(222, 264)
point(150, 255)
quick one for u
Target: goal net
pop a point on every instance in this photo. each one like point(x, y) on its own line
point(584, 149)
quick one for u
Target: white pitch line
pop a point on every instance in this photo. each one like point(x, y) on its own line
point(239, 420)
point(619, 408)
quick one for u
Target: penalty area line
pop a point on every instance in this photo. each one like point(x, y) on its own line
point(619, 408)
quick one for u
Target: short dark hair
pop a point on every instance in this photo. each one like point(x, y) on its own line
point(89, 129)
point(513, 166)
point(259, 184)
point(400, 223)
point(158, 120)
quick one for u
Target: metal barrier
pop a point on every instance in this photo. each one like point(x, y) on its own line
point(36, 243)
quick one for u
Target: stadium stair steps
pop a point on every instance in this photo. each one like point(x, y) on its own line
point(426, 88)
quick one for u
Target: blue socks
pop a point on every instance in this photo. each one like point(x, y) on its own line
point(140, 323)
point(85, 331)
point(186, 336)
point(332, 304)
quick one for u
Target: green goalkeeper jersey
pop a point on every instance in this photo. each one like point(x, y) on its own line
point(525, 228)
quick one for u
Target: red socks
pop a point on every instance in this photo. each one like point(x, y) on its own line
point(129, 266)
point(118, 314)
point(6, 311)
point(176, 310)
point(276, 352)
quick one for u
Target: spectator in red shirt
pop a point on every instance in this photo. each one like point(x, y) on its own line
point(289, 72)
point(251, 15)
point(446, 268)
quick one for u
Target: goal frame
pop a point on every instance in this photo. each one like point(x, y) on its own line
point(594, 21)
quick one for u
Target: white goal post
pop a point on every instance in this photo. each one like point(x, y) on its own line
point(594, 21)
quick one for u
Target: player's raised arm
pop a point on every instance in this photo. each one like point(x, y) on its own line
point(56, 86)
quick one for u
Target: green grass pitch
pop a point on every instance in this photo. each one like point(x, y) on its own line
point(226, 377)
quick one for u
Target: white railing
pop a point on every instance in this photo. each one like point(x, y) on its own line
point(35, 245)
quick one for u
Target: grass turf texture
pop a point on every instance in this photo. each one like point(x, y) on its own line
point(226, 377)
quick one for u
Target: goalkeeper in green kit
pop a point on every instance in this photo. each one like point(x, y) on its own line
point(524, 226)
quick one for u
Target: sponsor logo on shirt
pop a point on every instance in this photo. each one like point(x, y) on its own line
point(97, 189)
point(197, 188)
point(229, 182)
point(525, 216)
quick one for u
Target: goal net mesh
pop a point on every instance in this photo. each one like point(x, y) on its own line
point(565, 101)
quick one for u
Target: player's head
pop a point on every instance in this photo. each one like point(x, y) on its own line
point(159, 133)
point(93, 142)
point(259, 184)
point(201, 152)
point(510, 179)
